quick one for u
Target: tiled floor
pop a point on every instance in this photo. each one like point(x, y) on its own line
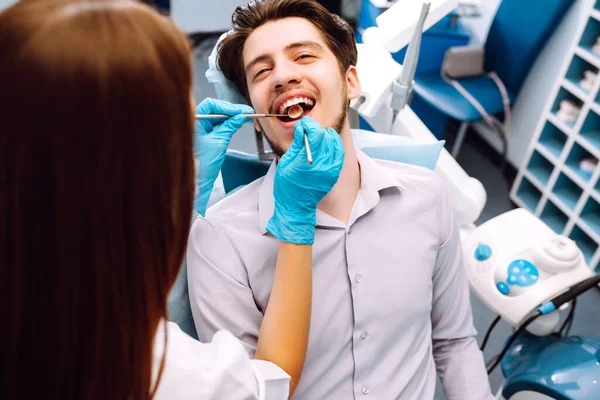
point(587, 318)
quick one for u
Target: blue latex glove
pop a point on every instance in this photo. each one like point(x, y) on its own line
point(299, 186)
point(211, 139)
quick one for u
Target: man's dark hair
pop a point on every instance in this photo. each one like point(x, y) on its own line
point(337, 33)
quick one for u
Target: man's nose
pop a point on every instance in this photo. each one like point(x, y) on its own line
point(285, 74)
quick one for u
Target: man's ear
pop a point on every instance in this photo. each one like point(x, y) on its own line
point(352, 82)
point(257, 125)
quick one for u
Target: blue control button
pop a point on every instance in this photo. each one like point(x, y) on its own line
point(483, 252)
point(503, 288)
point(522, 273)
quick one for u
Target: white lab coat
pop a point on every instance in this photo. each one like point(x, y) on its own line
point(218, 370)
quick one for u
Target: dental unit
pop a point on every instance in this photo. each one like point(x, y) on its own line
point(516, 264)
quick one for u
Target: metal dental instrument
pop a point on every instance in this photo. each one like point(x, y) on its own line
point(308, 152)
point(290, 114)
point(295, 112)
point(213, 116)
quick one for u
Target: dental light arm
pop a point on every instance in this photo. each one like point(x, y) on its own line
point(402, 88)
point(387, 85)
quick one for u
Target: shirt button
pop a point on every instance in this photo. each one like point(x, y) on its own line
point(363, 335)
point(365, 390)
point(358, 278)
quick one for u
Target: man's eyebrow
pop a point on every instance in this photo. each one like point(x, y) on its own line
point(291, 46)
point(306, 43)
point(257, 60)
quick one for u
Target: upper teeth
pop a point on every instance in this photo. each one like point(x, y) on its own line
point(295, 100)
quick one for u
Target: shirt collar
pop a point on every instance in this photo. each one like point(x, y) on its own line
point(374, 178)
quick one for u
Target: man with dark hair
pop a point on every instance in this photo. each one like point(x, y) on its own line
point(390, 295)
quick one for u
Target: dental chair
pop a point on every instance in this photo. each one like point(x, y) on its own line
point(240, 168)
point(510, 51)
point(178, 303)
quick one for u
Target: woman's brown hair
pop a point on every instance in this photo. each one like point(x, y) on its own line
point(97, 181)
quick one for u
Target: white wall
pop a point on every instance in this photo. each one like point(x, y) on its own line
point(6, 3)
point(198, 16)
point(531, 102)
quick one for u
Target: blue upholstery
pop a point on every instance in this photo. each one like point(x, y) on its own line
point(178, 303)
point(366, 19)
point(240, 168)
point(518, 33)
point(432, 89)
point(436, 40)
point(401, 149)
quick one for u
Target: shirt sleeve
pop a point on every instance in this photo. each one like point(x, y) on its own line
point(220, 369)
point(220, 295)
point(458, 359)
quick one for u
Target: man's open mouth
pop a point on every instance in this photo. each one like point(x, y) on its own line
point(295, 108)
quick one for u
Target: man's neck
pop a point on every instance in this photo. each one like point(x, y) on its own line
point(339, 202)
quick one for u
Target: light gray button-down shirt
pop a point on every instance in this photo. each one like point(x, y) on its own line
point(390, 291)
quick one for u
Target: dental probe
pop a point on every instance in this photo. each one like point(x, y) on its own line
point(213, 116)
point(308, 152)
point(295, 112)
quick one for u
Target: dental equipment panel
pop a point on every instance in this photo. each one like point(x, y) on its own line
point(515, 263)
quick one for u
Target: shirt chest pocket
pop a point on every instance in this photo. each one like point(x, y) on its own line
point(396, 277)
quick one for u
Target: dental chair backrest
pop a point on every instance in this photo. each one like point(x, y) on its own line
point(178, 302)
point(239, 169)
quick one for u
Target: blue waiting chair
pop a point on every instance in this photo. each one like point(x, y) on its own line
point(518, 33)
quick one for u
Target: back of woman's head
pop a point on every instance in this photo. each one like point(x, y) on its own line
point(97, 186)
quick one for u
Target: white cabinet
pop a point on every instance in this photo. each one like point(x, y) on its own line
point(552, 181)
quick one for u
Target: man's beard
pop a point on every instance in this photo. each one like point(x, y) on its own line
point(338, 125)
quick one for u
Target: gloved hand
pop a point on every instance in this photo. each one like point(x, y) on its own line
point(299, 186)
point(211, 139)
